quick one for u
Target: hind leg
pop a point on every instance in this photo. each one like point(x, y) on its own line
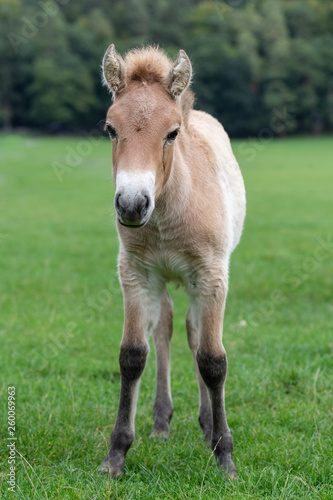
point(205, 407)
point(163, 408)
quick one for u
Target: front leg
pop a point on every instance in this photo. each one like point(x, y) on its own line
point(141, 313)
point(132, 360)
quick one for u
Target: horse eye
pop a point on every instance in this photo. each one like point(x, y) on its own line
point(111, 131)
point(172, 136)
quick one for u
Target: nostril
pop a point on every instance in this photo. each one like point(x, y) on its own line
point(117, 204)
point(147, 205)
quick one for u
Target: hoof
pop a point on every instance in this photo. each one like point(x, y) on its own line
point(159, 435)
point(161, 428)
point(106, 467)
point(228, 467)
point(232, 474)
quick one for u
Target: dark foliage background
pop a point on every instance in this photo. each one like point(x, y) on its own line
point(259, 64)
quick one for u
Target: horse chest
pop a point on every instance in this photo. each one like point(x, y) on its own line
point(167, 256)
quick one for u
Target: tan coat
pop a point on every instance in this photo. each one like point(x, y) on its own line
point(180, 204)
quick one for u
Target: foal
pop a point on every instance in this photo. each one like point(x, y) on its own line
point(180, 205)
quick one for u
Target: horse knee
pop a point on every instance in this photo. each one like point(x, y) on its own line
point(132, 361)
point(213, 367)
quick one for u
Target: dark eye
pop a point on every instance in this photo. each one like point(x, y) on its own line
point(111, 131)
point(172, 135)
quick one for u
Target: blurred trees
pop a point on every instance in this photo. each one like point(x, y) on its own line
point(259, 64)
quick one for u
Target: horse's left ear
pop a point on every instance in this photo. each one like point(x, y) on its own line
point(180, 74)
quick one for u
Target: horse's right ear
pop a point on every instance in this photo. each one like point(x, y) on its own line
point(113, 70)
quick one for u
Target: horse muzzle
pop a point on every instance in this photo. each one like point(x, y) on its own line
point(134, 199)
point(135, 212)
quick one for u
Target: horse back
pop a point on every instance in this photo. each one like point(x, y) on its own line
point(220, 167)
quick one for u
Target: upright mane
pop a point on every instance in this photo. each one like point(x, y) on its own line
point(149, 65)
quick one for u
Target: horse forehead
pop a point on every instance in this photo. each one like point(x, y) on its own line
point(142, 107)
point(145, 105)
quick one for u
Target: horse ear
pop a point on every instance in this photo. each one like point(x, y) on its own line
point(114, 74)
point(180, 74)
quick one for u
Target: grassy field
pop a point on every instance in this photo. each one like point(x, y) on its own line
point(61, 323)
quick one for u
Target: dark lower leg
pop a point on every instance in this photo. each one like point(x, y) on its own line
point(205, 409)
point(213, 369)
point(132, 361)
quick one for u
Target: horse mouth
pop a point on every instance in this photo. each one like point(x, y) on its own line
point(132, 225)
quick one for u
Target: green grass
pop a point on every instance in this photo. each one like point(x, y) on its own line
point(61, 323)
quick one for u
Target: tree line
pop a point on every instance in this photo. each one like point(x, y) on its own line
point(261, 66)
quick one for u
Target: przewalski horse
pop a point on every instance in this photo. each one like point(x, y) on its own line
point(180, 206)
